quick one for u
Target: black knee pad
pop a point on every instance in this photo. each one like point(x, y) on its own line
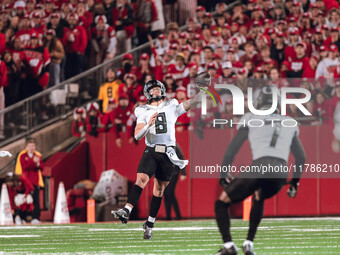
point(219, 205)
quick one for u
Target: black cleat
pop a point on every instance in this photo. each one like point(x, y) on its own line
point(230, 251)
point(147, 231)
point(121, 214)
point(248, 248)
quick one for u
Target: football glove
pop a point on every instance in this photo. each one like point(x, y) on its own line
point(5, 154)
point(224, 182)
point(292, 191)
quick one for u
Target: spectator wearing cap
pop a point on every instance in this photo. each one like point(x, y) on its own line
point(235, 43)
point(108, 90)
point(79, 123)
point(256, 15)
point(299, 63)
point(161, 44)
point(49, 8)
point(131, 88)
point(186, 51)
point(120, 117)
point(296, 10)
point(93, 119)
point(294, 38)
point(259, 73)
point(145, 68)
point(328, 65)
point(317, 41)
point(306, 22)
point(227, 70)
point(24, 30)
point(197, 43)
point(177, 70)
point(19, 8)
point(190, 73)
point(195, 57)
point(334, 38)
point(182, 38)
point(232, 57)
point(57, 53)
point(123, 20)
point(57, 24)
point(323, 53)
point(37, 24)
point(213, 70)
point(75, 42)
point(277, 48)
point(103, 42)
point(127, 66)
point(36, 60)
point(200, 10)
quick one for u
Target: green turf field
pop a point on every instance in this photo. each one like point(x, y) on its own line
point(285, 236)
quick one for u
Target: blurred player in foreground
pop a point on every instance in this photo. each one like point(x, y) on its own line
point(156, 121)
point(270, 146)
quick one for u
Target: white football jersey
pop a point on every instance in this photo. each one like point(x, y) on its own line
point(271, 139)
point(163, 131)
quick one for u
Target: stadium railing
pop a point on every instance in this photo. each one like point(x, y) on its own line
point(57, 102)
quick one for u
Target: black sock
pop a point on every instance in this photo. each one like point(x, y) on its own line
point(134, 195)
point(223, 220)
point(256, 215)
point(155, 205)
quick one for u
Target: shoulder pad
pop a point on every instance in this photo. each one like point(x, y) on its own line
point(141, 109)
point(171, 101)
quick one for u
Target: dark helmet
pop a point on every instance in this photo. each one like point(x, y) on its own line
point(152, 84)
point(203, 80)
point(263, 97)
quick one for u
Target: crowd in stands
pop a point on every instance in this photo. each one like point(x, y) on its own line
point(280, 43)
point(45, 42)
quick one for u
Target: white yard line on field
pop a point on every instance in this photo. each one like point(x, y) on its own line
point(36, 227)
point(18, 236)
point(167, 229)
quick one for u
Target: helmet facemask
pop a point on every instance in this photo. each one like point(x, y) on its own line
point(154, 84)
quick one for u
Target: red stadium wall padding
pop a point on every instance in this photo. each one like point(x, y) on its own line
point(196, 197)
point(68, 168)
point(329, 188)
point(97, 155)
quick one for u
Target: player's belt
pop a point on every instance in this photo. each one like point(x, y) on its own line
point(172, 155)
point(161, 148)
